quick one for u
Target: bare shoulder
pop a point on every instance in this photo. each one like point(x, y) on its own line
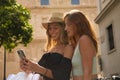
point(68, 47)
point(84, 38)
point(68, 51)
point(85, 41)
point(86, 45)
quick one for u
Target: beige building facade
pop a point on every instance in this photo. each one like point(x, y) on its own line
point(40, 13)
point(109, 26)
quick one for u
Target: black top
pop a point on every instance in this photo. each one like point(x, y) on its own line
point(58, 64)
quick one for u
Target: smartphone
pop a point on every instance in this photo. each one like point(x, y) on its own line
point(21, 54)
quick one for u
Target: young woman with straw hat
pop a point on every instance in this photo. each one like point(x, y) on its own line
point(55, 64)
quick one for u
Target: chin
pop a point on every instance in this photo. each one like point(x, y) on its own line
point(70, 36)
point(53, 38)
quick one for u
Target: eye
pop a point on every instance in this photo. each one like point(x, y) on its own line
point(68, 24)
point(56, 25)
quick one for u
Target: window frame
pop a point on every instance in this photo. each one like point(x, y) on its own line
point(44, 2)
point(109, 33)
point(75, 2)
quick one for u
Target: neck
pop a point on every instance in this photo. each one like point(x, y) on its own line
point(56, 43)
point(77, 38)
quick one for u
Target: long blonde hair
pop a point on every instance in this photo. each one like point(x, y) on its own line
point(63, 36)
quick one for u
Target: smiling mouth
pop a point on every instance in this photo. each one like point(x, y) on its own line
point(67, 32)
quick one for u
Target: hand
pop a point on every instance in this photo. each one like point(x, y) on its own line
point(28, 65)
point(22, 64)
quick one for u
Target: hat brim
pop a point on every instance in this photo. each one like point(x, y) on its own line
point(45, 25)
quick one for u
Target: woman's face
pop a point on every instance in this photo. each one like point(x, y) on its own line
point(69, 27)
point(54, 31)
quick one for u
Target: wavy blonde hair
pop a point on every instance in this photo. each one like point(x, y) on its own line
point(63, 36)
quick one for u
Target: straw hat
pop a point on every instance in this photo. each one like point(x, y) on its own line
point(55, 17)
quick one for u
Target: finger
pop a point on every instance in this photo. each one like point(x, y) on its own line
point(26, 60)
point(21, 63)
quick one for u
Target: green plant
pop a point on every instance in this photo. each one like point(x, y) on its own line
point(14, 24)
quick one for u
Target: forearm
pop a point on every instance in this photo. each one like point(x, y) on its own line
point(45, 72)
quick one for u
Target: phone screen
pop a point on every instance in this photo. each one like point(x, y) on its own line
point(21, 54)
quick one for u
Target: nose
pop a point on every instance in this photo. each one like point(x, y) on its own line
point(51, 31)
point(66, 27)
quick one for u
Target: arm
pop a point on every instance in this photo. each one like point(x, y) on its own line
point(87, 51)
point(27, 65)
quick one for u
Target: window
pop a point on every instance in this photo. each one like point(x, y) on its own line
point(44, 2)
point(76, 2)
point(110, 37)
